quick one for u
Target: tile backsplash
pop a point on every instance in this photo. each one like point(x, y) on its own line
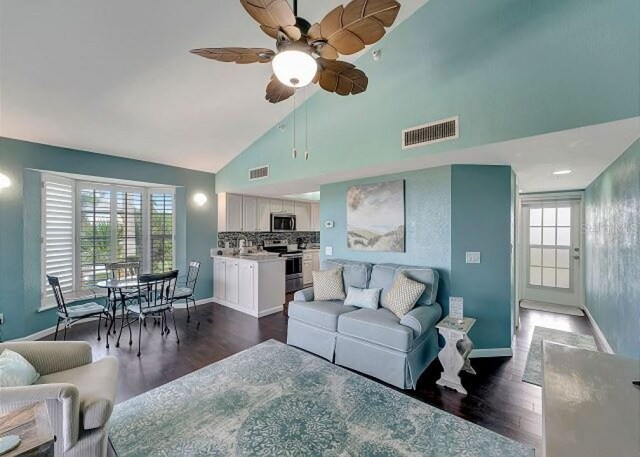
point(259, 237)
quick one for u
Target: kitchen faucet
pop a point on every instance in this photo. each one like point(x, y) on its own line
point(239, 248)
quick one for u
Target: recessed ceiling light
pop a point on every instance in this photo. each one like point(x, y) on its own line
point(562, 172)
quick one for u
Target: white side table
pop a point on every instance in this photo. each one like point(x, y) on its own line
point(455, 355)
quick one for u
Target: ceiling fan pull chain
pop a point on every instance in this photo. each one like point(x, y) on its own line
point(306, 124)
point(294, 152)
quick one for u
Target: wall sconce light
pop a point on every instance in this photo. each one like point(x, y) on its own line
point(200, 199)
point(4, 181)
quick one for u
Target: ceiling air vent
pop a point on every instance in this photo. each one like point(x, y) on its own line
point(443, 130)
point(259, 173)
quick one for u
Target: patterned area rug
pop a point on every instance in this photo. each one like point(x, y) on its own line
point(274, 400)
point(533, 369)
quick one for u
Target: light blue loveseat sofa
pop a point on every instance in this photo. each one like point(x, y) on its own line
point(371, 341)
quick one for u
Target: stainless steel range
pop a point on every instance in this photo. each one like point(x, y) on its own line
point(293, 273)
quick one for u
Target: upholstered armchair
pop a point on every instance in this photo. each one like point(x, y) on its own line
point(78, 392)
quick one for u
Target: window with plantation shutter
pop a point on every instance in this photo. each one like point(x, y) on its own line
point(129, 225)
point(161, 231)
point(57, 232)
point(95, 233)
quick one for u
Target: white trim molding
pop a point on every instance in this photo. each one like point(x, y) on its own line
point(493, 352)
point(203, 301)
point(601, 337)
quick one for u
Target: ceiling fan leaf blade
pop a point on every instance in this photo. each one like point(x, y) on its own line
point(342, 78)
point(237, 55)
point(273, 15)
point(361, 22)
point(314, 33)
point(277, 92)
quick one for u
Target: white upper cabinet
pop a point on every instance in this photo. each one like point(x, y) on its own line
point(249, 214)
point(288, 206)
point(230, 213)
point(315, 217)
point(303, 216)
point(264, 214)
point(276, 206)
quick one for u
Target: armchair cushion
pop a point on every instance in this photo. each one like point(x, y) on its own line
point(96, 384)
point(47, 357)
point(322, 314)
point(15, 370)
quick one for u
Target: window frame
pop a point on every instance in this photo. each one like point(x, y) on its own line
point(77, 186)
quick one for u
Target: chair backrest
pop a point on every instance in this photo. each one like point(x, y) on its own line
point(157, 288)
point(192, 275)
point(54, 282)
point(123, 270)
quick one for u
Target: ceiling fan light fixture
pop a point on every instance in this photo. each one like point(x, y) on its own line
point(294, 68)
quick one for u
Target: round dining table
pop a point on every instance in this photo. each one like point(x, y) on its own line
point(117, 287)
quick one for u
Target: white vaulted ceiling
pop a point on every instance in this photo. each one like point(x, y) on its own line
point(116, 77)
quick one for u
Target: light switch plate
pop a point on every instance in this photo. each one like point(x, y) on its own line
point(213, 252)
point(473, 257)
point(328, 250)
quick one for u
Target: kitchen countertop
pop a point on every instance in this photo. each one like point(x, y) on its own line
point(311, 250)
point(262, 257)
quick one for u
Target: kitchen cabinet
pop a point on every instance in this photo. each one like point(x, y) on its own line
point(276, 206)
point(252, 286)
point(288, 206)
point(315, 261)
point(303, 216)
point(307, 272)
point(232, 284)
point(249, 214)
point(264, 214)
point(315, 217)
point(247, 283)
point(230, 212)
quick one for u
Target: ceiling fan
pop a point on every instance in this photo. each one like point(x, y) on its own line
point(344, 31)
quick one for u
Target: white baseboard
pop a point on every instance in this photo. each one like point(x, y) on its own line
point(603, 340)
point(203, 301)
point(266, 312)
point(493, 352)
point(250, 312)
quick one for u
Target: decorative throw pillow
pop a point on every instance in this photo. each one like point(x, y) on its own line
point(15, 370)
point(403, 295)
point(328, 285)
point(363, 298)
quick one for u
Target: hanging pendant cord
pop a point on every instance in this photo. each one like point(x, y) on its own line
point(293, 151)
point(306, 123)
point(295, 7)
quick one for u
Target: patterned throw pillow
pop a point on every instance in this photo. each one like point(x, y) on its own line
point(363, 298)
point(15, 370)
point(328, 285)
point(403, 295)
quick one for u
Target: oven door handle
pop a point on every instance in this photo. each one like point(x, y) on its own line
point(293, 224)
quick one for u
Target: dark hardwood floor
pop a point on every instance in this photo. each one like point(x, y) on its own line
point(498, 399)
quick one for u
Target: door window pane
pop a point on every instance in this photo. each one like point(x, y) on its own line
point(549, 236)
point(535, 256)
point(564, 217)
point(549, 217)
point(535, 217)
point(548, 257)
point(563, 278)
point(563, 258)
point(549, 277)
point(535, 235)
point(564, 236)
point(535, 276)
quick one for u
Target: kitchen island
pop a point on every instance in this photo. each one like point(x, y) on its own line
point(253, 284)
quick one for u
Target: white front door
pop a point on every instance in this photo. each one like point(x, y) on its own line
point(551, 264)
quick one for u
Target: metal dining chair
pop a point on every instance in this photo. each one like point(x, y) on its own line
point(186, 291)
point(155, 298)
point(122, 271)
point(70, 314)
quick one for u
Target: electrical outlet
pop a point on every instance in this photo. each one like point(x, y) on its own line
point(328, 250)
point(1, 318)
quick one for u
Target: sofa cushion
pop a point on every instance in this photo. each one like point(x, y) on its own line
point(322, 314)
point(96, 383)
point(383, 276)
point(354, 274)
point(15, 370)
point(403, 295)
point(378, 326)
point(328, 285)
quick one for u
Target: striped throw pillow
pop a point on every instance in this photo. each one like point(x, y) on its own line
point(328, 285)
point(403, 295)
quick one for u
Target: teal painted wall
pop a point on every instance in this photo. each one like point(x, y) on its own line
point(20, 274)
point(448, 210)
point(427, 215)
point(508, 68)
point(612, 254)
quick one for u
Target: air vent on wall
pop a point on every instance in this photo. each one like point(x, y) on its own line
point(259, 173)
point(434, 132)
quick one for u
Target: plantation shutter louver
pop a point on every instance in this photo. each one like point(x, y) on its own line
point(161, 231)
point(58, 232)
point(95, 234)
point(129, 226)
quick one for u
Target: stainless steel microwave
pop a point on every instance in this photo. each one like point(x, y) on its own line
point(283, 222)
